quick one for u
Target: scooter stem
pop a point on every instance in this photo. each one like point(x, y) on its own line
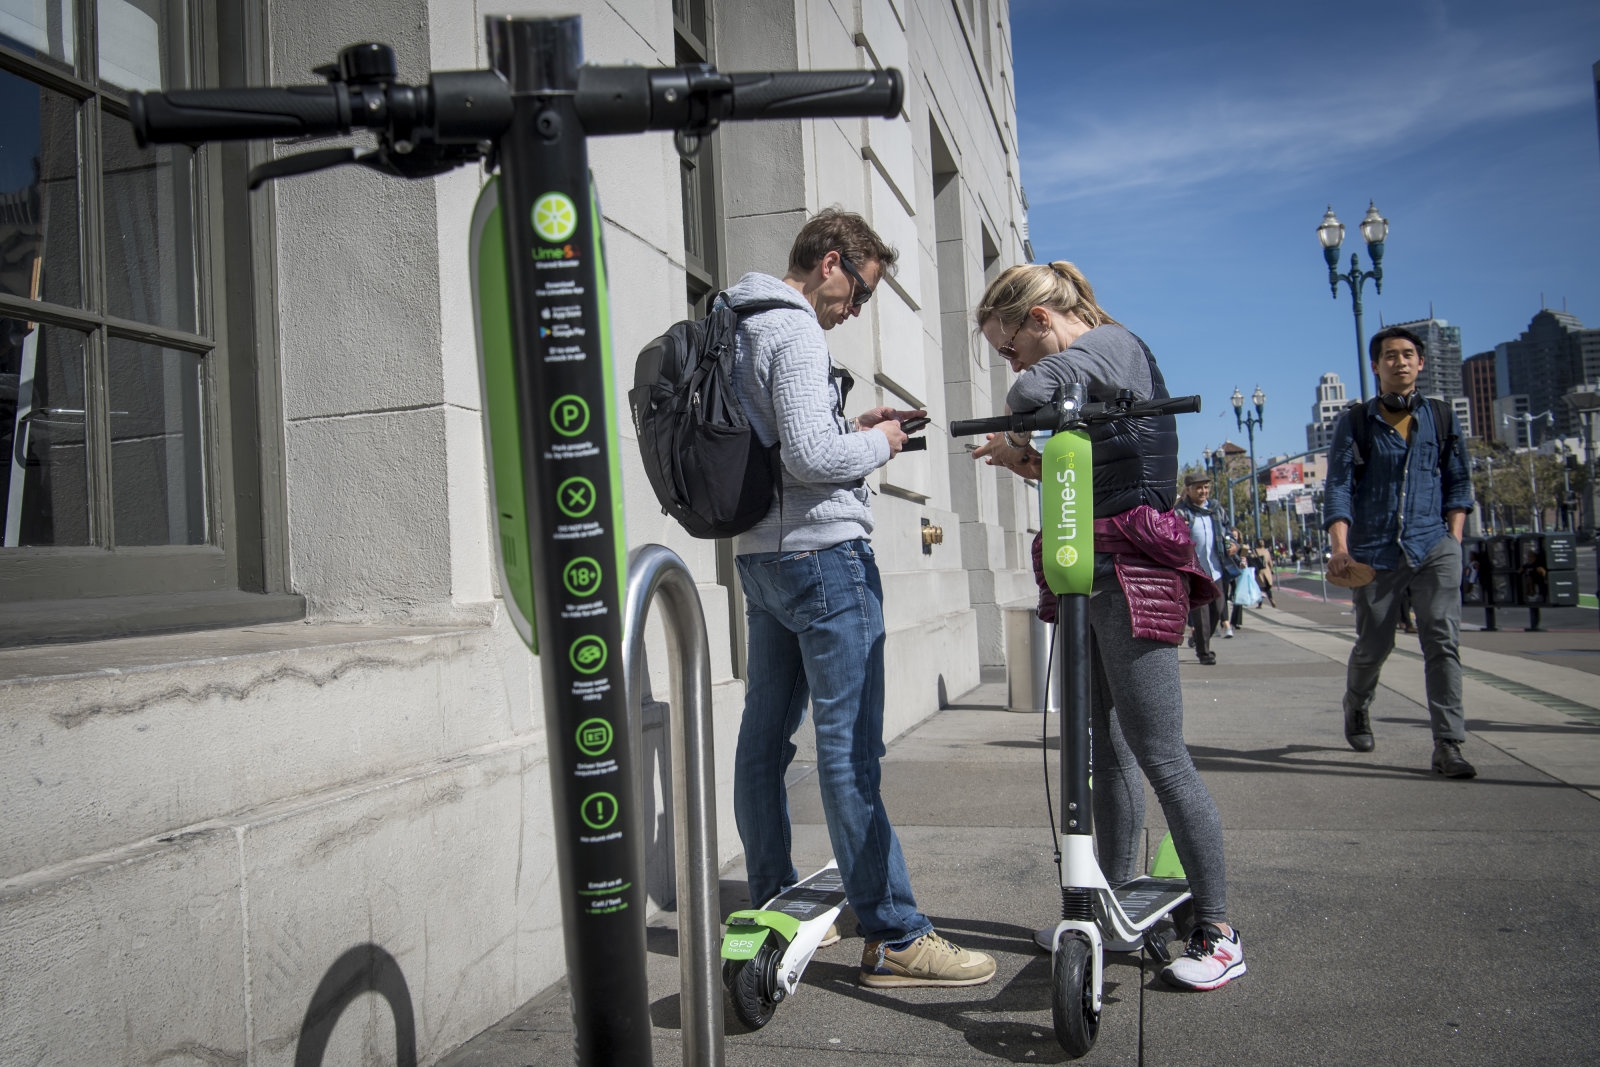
point(1077, 693)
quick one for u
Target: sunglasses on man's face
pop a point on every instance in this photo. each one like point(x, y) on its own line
point(863, 291)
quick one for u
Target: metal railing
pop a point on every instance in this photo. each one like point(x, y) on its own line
point(655, 570)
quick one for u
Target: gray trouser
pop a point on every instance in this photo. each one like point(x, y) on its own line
point(1138, 709)
point(1435, 586)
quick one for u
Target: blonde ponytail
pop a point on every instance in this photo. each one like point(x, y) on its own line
point(1059, 286)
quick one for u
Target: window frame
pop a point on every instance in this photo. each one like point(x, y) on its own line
point(78, 592)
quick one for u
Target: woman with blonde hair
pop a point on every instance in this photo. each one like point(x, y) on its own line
point(1046, 323)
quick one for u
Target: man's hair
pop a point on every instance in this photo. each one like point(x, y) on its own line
point(844, 232)
point(1387, 333)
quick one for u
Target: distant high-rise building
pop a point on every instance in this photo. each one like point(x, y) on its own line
point(1441, 356)
point(1477, 381)
point(1330, 404)
point(1553, 354)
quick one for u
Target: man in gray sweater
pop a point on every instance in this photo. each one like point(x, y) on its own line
point(814, 603)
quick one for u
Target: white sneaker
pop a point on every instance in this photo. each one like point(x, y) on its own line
point(1211, 961)
point(1227, 629)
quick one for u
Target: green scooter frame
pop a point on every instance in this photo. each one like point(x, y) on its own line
point(1091, 910)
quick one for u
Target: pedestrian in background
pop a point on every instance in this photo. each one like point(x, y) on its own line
point(1263, 567)
point(1205, 529)
point(1238, 566)
point(1397, 497)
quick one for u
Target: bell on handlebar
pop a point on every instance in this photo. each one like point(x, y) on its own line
point(361, 64)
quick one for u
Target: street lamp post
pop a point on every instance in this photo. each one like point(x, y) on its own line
point(1533, 482)
point(1375, 228)
point(1586, 402)
point(1250, 422)
point(1217, 466)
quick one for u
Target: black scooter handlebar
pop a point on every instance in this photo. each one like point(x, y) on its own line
point(1048, 418)
point(470, 106)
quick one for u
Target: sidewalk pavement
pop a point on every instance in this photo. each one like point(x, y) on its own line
point(1389, 916)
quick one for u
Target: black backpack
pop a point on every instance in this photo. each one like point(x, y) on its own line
point(708, 468)
point(1361, 433)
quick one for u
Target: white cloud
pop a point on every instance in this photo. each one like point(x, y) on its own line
point(1267, 126)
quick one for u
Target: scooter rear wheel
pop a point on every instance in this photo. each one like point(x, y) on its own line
point(752, 986)
point(1072, 997)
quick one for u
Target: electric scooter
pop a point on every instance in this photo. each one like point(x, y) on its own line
point(550, 418)
point(1091, 910)
point(766, 949)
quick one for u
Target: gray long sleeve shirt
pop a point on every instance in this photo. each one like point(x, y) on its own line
point(781, 377)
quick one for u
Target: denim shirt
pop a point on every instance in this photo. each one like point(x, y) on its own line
point(1399, 503)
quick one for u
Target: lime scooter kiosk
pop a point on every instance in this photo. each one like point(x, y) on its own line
point(543, 324)
point(1091, 910)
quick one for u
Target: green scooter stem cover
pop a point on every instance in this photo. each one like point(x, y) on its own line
point(1067, 505)
point(1166, 864)
point(502, 435)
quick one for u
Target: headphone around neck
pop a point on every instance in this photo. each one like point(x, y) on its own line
point(1395, 402)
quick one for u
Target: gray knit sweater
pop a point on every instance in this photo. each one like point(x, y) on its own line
point(780, 375)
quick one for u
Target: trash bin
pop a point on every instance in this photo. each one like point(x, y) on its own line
point(1030, 686)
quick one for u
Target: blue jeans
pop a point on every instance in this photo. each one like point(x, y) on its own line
point(816, 632)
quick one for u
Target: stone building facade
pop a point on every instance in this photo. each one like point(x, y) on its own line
point(350, 759)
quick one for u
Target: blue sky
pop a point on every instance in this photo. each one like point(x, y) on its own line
point(1182, 154)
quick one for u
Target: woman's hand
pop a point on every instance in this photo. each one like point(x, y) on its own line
point(999, 452)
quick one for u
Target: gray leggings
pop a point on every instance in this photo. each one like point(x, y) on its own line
point(1138, 705)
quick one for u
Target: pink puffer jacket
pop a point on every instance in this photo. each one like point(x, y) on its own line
point(1155, 565)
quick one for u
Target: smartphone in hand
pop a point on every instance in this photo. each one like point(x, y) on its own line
point(916, 425)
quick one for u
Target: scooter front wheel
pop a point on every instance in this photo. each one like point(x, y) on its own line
point(1072, 999)
point(753, 985)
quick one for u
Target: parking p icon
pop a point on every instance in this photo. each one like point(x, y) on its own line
point(569, 415)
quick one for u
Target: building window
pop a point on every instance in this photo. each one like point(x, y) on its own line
point(702, 207)
point(115, 402)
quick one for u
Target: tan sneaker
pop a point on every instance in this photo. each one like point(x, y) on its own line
point(831, 937)
point(929, 960)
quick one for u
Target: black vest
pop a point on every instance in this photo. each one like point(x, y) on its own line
point(1136, 460)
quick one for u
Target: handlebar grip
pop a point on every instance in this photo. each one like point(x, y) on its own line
point(973, 427)
point(189, 116)
point(812, 94)
point(1172, 405)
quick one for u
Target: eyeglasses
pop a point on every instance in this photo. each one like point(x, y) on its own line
point(1006, 350)
point(863, 291)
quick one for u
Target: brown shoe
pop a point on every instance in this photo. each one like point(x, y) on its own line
point(929, 960)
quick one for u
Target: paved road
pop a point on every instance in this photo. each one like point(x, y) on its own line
point(1389, 916)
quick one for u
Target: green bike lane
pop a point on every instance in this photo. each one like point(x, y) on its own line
point(1389, 916)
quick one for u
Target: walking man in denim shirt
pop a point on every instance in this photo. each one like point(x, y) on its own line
point(1397, 502)
point(814, 603)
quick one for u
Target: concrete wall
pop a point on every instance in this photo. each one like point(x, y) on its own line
point(204, 828)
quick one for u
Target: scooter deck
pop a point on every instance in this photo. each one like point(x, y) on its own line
point(810, 897)
point(1148, 896)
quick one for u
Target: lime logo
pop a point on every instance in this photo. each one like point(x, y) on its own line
point(587, 655)
point(1066, 555)
point(594, 737)
point(582, 577)
point(554, 217)
point(569, 415)
point(598, 810)
point(575, 497)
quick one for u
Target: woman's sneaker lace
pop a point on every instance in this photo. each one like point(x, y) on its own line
point(1212, 959)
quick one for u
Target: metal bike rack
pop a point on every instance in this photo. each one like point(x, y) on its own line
point(657, 570)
